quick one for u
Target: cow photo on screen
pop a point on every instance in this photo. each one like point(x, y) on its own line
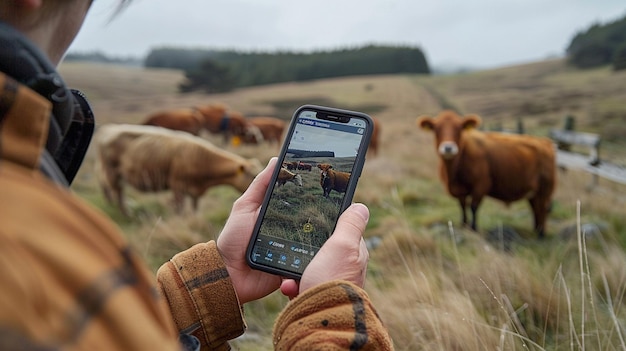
point(314, 181)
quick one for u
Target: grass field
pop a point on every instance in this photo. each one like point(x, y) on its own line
point(437, 285)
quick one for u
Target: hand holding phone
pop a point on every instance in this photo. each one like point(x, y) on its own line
point(344, 256)
point(249, 284)
point(313, 183)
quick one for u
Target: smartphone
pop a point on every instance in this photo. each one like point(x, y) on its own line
point(313, 183)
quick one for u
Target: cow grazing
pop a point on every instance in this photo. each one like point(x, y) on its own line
point(219, 119)
point(285, 176)
point(291, 165)
point(188, 120)
point(304, 166)
point(264, 129)
point(331, 179)
point(111, 140)
point(507, 167)
point(156, 160)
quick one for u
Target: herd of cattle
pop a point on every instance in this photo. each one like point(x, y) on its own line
point(166, 152)
point(220, 119)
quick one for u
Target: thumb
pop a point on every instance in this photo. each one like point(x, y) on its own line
point(344, 256)
point(352, 223)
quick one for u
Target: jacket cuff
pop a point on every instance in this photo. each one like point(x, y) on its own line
point(333, 315)
point(201, 296)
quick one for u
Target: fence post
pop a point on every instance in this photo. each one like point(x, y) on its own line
point(520, 126)
point(569, 126)
point(570, 123)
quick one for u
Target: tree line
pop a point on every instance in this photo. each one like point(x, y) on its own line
point(224, 70)
point(100, 57)
point(599, 45)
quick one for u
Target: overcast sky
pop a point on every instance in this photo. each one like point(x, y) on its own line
point(474, 33)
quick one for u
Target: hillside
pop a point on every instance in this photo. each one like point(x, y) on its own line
point(424, 283)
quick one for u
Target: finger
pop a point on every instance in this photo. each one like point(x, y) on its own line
point(256, 191)
point(352, 223)
point(289, 288)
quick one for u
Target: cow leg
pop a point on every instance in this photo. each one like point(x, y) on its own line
point(107, 192)
point(474, 207)
point(463, 204)
point(105, 185)
point(474, 220)
point(116, 187)
point(540, 210)
point(107, 195)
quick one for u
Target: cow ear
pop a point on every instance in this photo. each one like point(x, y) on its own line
point(471, 121)
point(425, 122)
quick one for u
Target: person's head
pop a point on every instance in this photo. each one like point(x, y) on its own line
point(51, 24)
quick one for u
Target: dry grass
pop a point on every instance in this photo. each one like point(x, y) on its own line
point(437, 286)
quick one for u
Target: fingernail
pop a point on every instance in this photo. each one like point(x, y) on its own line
point(362, 210)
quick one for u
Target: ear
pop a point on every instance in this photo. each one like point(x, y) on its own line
point(425, 122)
point(241, 169)
point(471, 121)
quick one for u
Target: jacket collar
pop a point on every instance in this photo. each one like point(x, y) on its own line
point(24, 123)
point(70, 121)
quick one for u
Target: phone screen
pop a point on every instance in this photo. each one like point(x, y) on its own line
point(314, 185)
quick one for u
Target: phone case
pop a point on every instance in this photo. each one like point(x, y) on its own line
point(291, 258)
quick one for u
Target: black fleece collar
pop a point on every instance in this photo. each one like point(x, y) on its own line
point(72, 121)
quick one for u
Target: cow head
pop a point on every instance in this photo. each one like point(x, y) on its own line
point(448, 127)
point(252, 134)
point(297, 180)
point(245, 174)
point(324, 167)
point(237, 124)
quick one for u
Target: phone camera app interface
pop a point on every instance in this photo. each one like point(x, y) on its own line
point(309, 191)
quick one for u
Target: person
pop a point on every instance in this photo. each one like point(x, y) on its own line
point(69, 279)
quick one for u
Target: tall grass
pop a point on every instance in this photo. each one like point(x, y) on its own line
point(449, 289)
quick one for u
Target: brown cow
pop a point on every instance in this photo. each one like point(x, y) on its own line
point(291, 165)
point(304, 166)
point(111, 140)
point(153, 161)
point(332, 180)
point(219, 119)
point(507, 167)
point(285, 176)
point(188, 120)
point(264, 129)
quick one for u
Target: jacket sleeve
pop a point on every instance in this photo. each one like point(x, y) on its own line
point(201, 296)
point(334, 316)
